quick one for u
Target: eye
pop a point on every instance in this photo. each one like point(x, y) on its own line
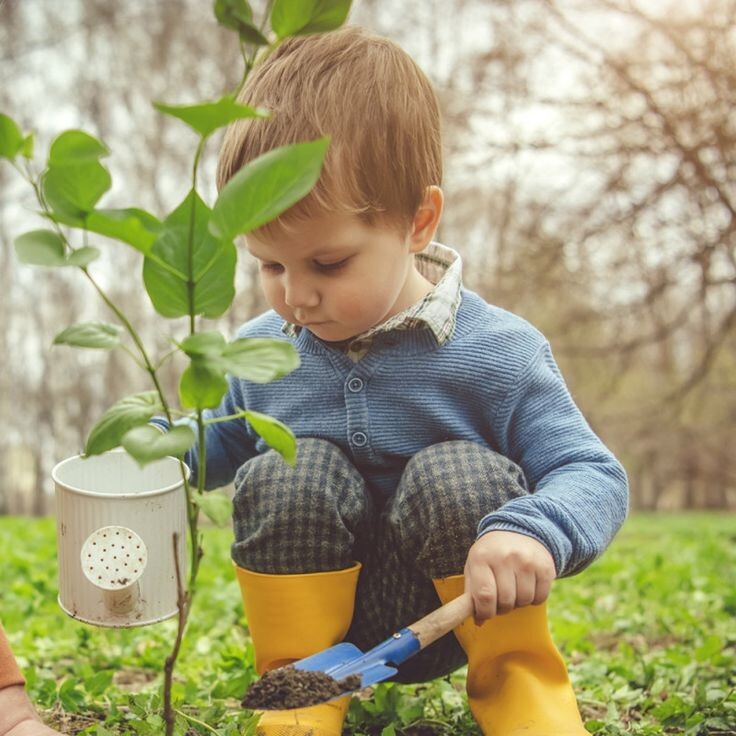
point(271, 267)
point(336, 266)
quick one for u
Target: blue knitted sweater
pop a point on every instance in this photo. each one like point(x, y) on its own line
point(494, 383)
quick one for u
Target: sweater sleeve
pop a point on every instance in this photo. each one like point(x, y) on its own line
point(9, 672)
point(579, 491)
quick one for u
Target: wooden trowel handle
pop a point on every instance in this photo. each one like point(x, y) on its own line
point(439, 622)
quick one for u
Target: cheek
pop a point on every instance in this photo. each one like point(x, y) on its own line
point(361, 299)
point(273, 292)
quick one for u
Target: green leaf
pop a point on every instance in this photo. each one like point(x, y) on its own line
point(288, 16)
point(166, 270)
point(300, 17)
point(207, 117)
point(75, 180)
point(75, 147)
point(266, 187)
point(41, 248)
point(28, 145)
point(204, 344)
point(274, 433)
point(260, 359)
point(70, 696)
point(133, 226)
point(255, 359)
point(46, 248)
point(327, 15)
point(216, 506)
point(122, 416)
point(673, 709)
point(712, 647)
point(237, 15)
point(409, 709)
point(75, 190)
point(11, 139)
point(202, 385)
point(146, 443)
point(99, 682)
point(593, 726)
point(82, 257)
point(90, 335)
point(102, 731)
point(172, 243)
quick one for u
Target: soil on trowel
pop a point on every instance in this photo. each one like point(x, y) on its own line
point(287, 687)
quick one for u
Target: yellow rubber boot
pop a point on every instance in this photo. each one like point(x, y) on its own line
point(291, 617)
point(517, 680)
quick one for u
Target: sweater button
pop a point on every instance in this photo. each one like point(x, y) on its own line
point(359, 439)
point(355, 385)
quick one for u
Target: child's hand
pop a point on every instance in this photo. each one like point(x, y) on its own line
point(17, 716)
point(32, 728)
point(506, 570)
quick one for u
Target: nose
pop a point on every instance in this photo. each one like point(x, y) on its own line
point(299, 293)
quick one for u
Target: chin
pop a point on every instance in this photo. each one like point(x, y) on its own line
point(331, 332)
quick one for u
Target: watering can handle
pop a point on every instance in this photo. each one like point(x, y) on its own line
point(436, 624)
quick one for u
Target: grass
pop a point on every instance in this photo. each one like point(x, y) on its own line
point(648, 632)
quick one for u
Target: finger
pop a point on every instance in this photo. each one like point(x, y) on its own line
point(526, 588)
point(479, 582)
point(543, 585)
point(506, 588)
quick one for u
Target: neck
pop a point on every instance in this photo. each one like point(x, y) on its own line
point(415, 288)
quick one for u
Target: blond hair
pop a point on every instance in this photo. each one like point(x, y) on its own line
point(374, 102)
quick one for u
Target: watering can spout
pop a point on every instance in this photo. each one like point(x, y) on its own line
point(120, 602)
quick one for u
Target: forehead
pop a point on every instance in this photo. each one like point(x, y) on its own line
point(327, 232)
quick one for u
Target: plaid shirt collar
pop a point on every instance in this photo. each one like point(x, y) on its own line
point(440, 265)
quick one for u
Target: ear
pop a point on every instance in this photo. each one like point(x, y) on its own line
point(426, 219)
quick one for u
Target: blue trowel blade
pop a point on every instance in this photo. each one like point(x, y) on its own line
point(368, 675)
point(373, 666)
point(329, 658)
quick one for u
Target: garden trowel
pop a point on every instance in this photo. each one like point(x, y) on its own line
point(381, 662)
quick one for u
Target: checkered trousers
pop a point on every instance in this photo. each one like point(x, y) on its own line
point(319, 515)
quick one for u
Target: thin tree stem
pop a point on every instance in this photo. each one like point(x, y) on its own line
point(190, 251)
point(182, 604)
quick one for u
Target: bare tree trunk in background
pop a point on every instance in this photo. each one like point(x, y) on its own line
point(6, 381)
point(629, 265)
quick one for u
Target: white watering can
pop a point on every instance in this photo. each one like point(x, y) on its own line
point(115, 528)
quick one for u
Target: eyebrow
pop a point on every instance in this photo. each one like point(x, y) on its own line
point(252, 252)
point(339, 251)
point(331, 251)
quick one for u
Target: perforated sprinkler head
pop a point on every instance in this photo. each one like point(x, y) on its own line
point(113, 559)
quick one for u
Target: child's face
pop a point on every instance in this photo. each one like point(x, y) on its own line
point(338, 276)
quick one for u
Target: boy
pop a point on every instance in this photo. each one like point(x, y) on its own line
point(438, 447)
